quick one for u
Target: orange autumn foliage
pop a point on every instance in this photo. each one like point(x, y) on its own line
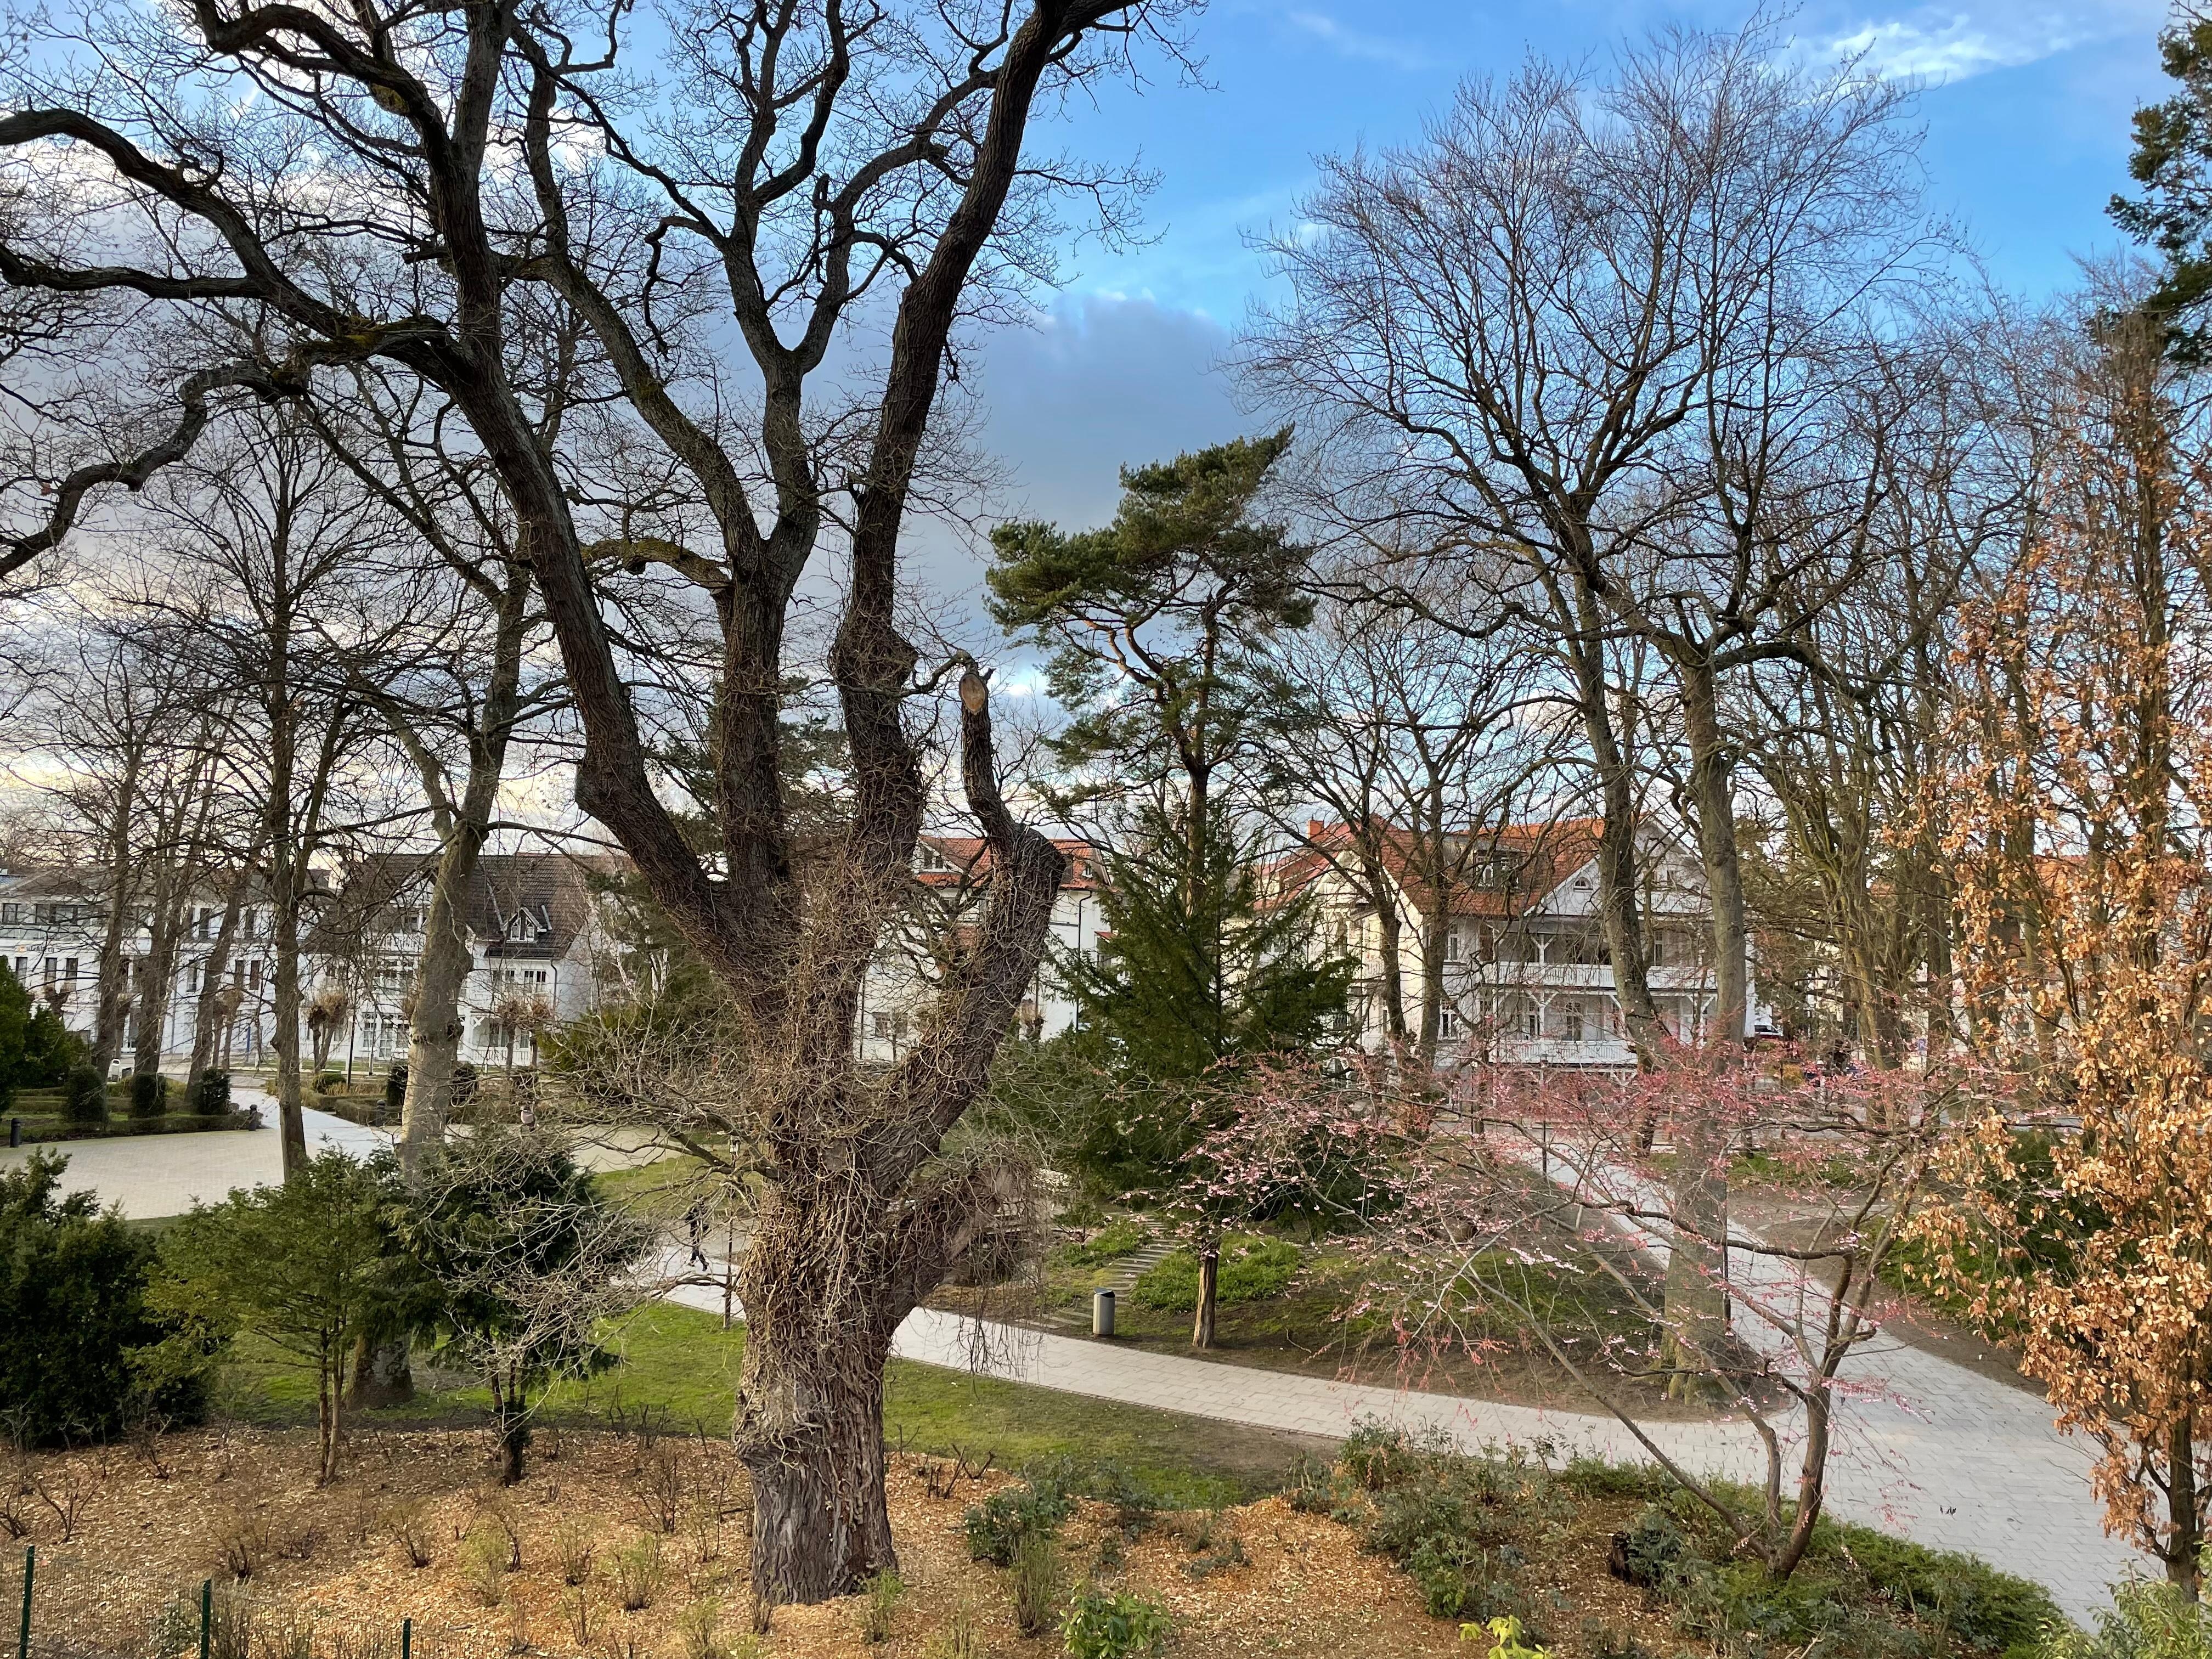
point(2080, 828)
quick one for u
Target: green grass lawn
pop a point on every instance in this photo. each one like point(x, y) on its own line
point(679, 1365)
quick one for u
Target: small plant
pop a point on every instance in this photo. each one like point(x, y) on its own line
point(84, 1097)
point(576, 1608)
point(1033, 1579)
point(1378, 1456)
point(879, 1600)
point(150, 1096)
point(699, 1628)
point(1507, 1639)
point(1136, 1503)
point(407, 1527)
point(997, 1526)
point(1102, 1626)
point(245, 1545)
point(483, 1565)
point(959, 1639)
point(1310, 1486)
point(637, 1572)
point(574, 1542)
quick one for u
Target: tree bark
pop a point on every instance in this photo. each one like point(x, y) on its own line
point(206, 1008)
point(122, 886)
point(436, 1026)
point(1209, 1294)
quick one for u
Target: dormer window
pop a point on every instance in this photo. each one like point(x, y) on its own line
point(930, 858)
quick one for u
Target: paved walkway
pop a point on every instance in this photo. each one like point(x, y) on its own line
point(1960, 1463)
point(1925, 1447)
point(151, 1175)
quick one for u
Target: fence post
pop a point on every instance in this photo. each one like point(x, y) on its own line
point(30, 1570)
point(406, 1639)
point(207, 1612)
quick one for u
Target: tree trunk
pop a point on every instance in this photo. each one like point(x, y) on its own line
point(1697, 1261)
point(1619, 905)
point(2183, 1551)
point(810, 1426)
point(206, 1009)
point(1209, 1291)
point(285, 1014)
point(114, 994)
point(157, 973)
point(434, 1025)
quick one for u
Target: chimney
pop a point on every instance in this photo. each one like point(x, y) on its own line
point(1314, 827)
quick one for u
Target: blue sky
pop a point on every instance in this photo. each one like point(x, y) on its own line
point(2026, 106)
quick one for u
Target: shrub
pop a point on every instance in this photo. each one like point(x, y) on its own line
point(329, 1083)
point(1310, 1486)
point(84, 1097)
point(1109, 1243)
point(149, 1095)
point(1033, 1582)
point(1252, 1270)
point(2149, 1619)
point(1378, 1456)
point(84, 1354)
point(1505, 1637)
point(1984, 1608)
point(997, 1526)
point(637, 1573)
point(1136, 1502)
point(395, 1090)
point(464, 1083)
point(209, 1094)
point(484, 1557)
point(1102, 1626)
point(1654, 1554)
point(879, 1600)
point(699, 1626)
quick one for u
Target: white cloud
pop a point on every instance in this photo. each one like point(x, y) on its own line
point(1358, 43)
point(1942, 44)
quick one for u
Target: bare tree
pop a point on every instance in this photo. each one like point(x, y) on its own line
point(262, 533)
point(824, 170)
point(1587, 330)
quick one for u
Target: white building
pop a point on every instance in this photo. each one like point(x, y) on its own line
point(1528, 978)
point(531, 925)
point(952, 877)
point(539, 928)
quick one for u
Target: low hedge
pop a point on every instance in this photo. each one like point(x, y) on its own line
point(1252, 1270)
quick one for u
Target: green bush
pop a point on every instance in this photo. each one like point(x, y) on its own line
point(1109, 1243)
point(1378, 1456)
point(996, 1526)
point(1252, 1270)
point(84, 1097)
point(2149, 1619)
point(149, 1095)
point(1986, 1608)
point(329, 1083)
point(395, 1090)
point(1102, 1626)
point(210, 1095)
point(84, 1356)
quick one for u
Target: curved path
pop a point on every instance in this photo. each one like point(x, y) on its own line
point(1940, 1454)
point(1926, 1447)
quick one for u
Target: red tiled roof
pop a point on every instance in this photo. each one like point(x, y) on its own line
point(969, 857)
point(1542, 855)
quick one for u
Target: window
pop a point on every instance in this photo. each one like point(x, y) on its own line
point(253, 974)
point(1447, 1023)
point(879, 1025)
point(930, 856)
point(47, 971)
point(1571, 1020)
point(69, 969)
point(11, 914)
point(192, 979)
point(1451, 945)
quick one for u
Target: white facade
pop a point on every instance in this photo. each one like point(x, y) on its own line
point(1527, 976)
point(357, 969)
point(952, 877)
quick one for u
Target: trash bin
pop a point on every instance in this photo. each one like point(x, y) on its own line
point(1101, 1313)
